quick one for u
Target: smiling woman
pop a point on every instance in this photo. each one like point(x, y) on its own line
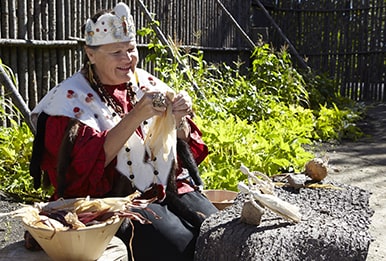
point(112, 129)
point(113, 62)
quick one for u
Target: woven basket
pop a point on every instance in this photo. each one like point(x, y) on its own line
point(87, 243)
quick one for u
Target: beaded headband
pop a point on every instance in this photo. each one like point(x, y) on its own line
point(111, 27)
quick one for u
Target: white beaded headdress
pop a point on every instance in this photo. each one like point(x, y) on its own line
point(111, 27)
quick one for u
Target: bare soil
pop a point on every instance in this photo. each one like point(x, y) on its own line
point(361, 163)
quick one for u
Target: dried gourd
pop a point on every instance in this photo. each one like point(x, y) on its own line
point(252, 213)
point(316, 169)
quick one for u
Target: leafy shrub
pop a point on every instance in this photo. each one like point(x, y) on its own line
point(263, 119)
point(270, 145)
point(273, 74)
point(335, 124)
point(16, 150)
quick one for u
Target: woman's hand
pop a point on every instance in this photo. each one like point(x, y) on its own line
point(151, 104)
point(182, 105)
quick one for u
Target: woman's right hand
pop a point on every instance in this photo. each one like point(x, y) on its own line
point(143, 110)
point(152, 103)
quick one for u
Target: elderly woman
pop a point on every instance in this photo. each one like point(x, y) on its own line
point(95, 138)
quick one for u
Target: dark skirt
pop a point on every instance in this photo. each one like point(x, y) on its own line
point(170, 237)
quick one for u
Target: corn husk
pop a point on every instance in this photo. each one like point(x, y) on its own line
point(162, 132)
point(272, 202)
point(263, 183)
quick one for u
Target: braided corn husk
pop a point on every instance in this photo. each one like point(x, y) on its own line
point(272, 202)
point(162, 132)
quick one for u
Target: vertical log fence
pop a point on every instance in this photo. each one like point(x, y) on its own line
point(343, 39)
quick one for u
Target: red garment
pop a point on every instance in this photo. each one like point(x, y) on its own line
point(87, 175)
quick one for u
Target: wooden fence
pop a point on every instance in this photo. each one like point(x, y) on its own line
point(343, 38)
point(38, 38)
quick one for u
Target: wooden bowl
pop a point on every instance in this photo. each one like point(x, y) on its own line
point(87, 243)
point(221, 198)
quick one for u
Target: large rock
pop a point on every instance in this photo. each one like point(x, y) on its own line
point(334, 226)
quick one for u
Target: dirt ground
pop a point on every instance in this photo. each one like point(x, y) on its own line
point(363, 164)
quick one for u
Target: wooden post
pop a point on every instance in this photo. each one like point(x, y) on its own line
point(164, 41)
point(238, 27)
point(292, 48)
point(16, 97)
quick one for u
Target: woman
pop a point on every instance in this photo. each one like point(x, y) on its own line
point(93, 133)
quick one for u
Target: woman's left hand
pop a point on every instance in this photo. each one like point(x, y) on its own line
point(182, 105)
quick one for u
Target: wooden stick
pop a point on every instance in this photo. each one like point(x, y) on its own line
point(238, 27)
point(164, 41)
point(292, 48)
point(16, 97)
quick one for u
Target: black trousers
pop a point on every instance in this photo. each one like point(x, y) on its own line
point(168, 238)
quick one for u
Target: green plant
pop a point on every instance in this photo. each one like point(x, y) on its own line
point(273, 74)
point(272, 145)
point(16, 149)
point(260, 119)
point(335, 124)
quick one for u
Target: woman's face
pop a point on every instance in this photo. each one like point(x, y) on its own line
point(114, 62)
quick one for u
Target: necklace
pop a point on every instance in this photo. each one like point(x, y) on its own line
point(156, 189)
point(99, 88)
point(107, 98)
